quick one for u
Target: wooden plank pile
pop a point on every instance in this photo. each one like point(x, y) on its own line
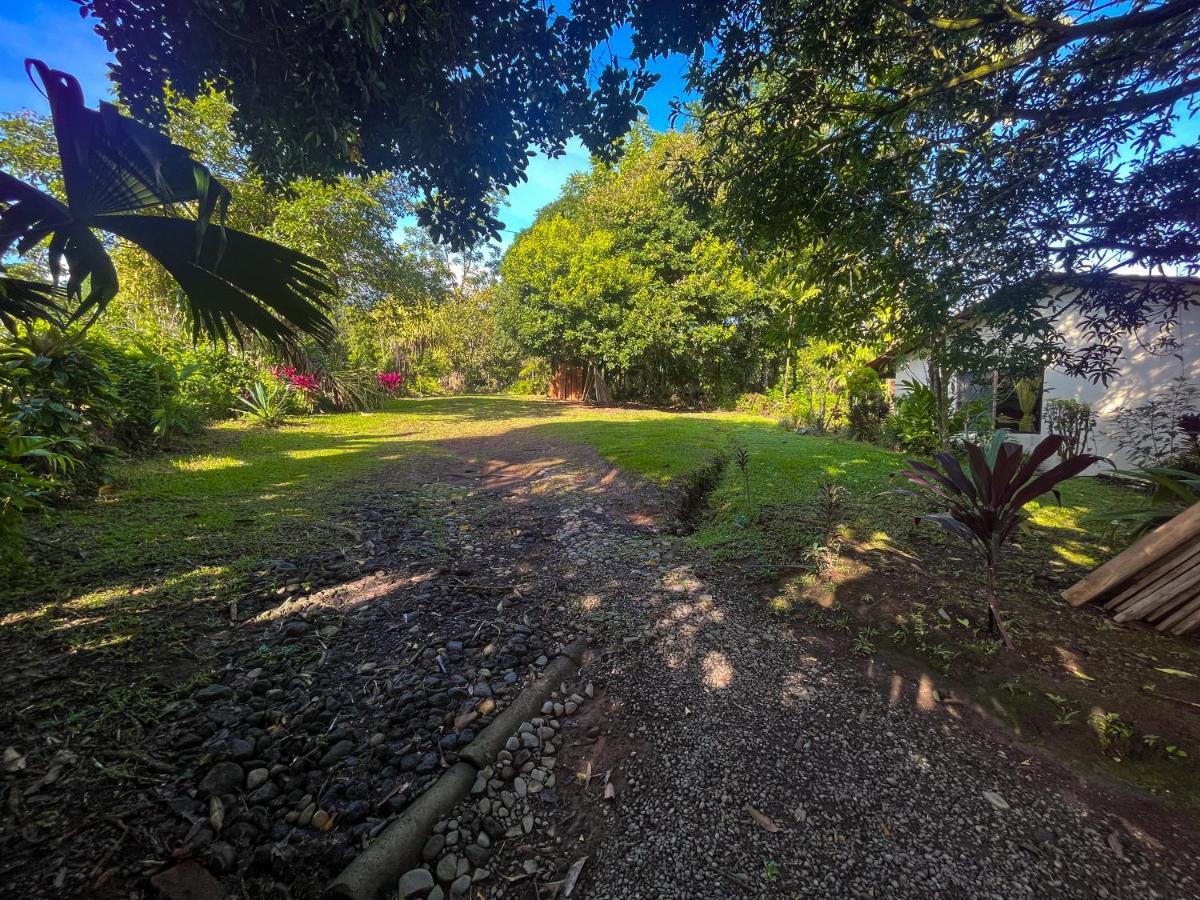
point(1156, 580)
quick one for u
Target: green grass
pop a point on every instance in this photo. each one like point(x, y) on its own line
point(178, 534)
point(190, 525)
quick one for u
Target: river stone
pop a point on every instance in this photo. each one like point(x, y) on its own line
point(414, 882)
point(447, 868)
point(338, 751)
point(223, 778)
point(433, 847)
point(212, 692)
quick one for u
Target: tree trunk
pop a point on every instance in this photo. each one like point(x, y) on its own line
point(941, 391)
point(994, 621)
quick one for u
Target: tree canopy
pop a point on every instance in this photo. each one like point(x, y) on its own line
point(953, 150)
point(451, 94)
point(966, 149)
point(623, 274)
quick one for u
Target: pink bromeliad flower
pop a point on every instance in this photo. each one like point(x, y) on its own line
point(302, 381)
point(390, 381)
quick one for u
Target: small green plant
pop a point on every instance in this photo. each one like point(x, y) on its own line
point(1075, 421)
point(864, 643)
point(771, 870)
point(741, 459)
point(1013, 686)
point(1172, 491)
point(840, 621)
point(986, 506)
point(266, 404)
point(1113, 732)
point(1067, 710)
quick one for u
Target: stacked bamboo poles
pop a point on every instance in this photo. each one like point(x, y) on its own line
point(1156, 580)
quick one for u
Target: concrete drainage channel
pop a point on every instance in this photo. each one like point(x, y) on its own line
point(398, 849)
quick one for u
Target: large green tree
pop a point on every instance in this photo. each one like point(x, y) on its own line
point(623, 274)
point(966, 150)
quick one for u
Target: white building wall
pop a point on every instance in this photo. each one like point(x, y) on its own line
point(1142, 375)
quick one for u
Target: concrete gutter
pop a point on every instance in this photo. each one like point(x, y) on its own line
point(398, 848)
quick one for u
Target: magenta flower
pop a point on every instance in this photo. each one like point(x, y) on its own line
point(390, 381)
point(302, 381)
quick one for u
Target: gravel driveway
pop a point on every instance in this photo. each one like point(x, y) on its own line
point(761, 765)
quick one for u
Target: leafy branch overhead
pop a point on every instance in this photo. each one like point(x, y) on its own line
point(114, 172)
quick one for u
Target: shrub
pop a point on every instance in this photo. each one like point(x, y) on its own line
point(533, 377)
point(220, 378)
point(755, 404)
point(21, 489)
point(390, 382)
point(267, 404)
point(150, 404)
point(1074, 421)
point(985, 508)
point(352, 390)
point(1157, 432)
point(913, 426)
point(867, 417)
point(57, 387)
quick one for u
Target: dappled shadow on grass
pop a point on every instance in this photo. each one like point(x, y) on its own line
point(180, 534)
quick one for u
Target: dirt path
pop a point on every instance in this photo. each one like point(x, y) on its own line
point(747, 758)
point(443, 593)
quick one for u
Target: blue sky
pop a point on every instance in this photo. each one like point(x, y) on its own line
point(53, 31)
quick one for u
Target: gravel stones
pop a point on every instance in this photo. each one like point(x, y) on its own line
point(336, 753)
point(414, 883)
point(447, 868)
point(223, 778)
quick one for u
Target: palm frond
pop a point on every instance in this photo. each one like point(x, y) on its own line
point(239, 282)
point(23, 301)
point(30, 216)
point(113, 164)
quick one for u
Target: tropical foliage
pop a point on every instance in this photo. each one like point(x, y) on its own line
point(114, 171)
point(983, 505)
point(622, 274)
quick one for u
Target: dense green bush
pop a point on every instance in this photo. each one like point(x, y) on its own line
point(57, 387)
point(534, 377)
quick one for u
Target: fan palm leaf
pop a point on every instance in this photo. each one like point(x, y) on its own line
point(114, 171)
point(23, 301)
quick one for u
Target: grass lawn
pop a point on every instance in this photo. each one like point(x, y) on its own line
point(176, 535)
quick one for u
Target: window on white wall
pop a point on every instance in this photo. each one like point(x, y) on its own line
point(1019, 402)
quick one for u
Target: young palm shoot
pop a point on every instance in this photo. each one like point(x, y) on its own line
point(741, 459)
point(985, 506)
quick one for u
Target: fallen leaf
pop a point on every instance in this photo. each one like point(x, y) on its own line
point(465, 719)
point(996, 800)
point(610, 791)
point(1177, 672)
point(1114, 844)
point(568, 883)
point(13, 761)
point(216, 813)
point(763, 822)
